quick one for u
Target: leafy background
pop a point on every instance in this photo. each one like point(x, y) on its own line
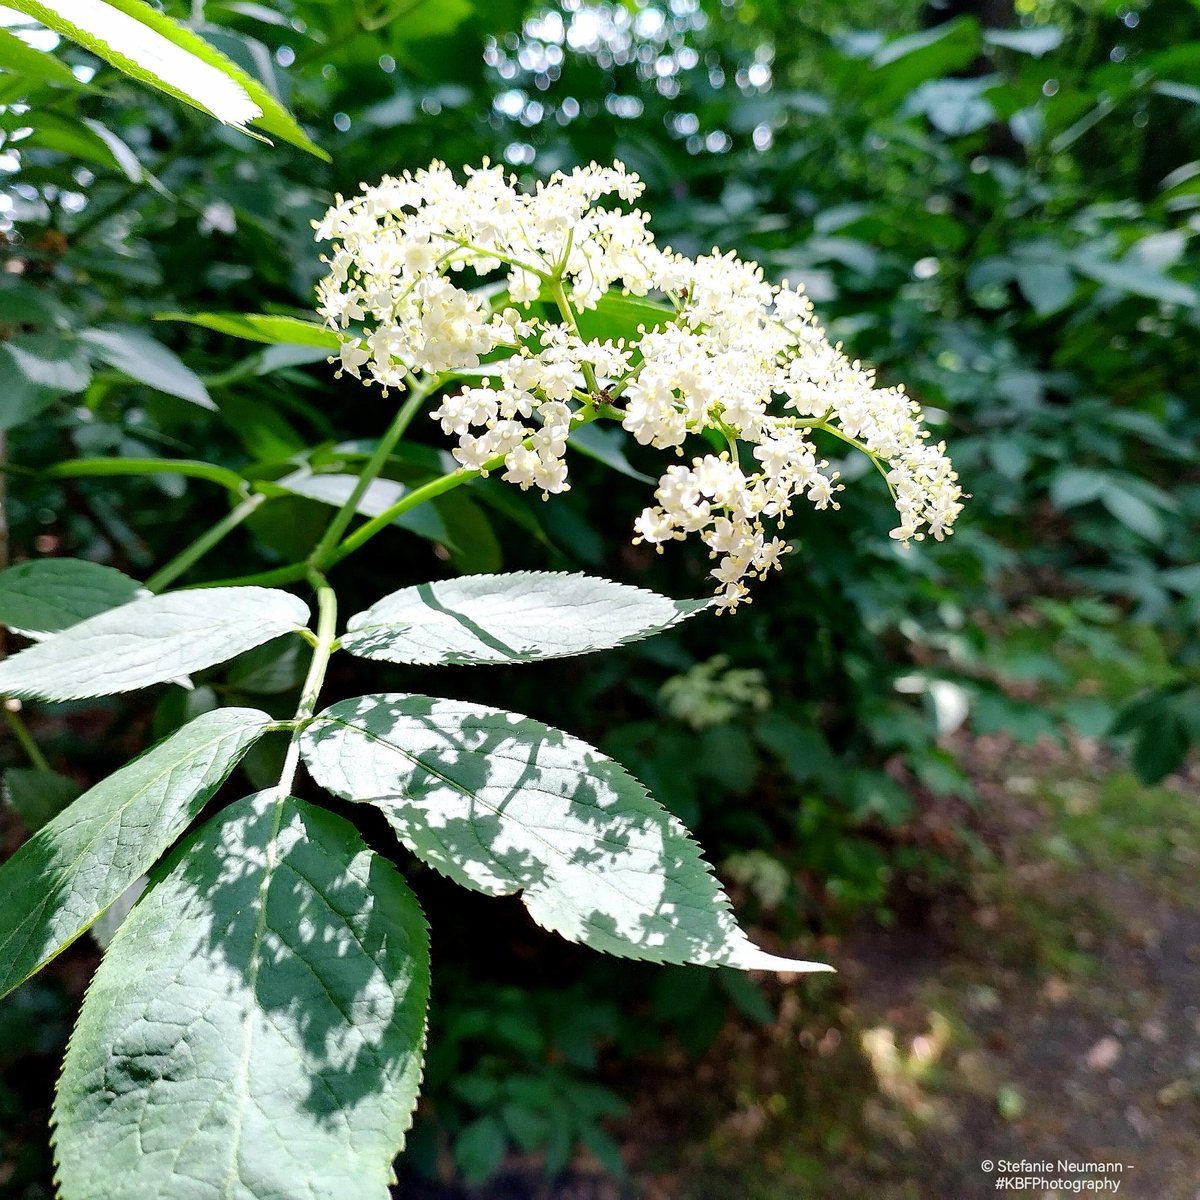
point(998, 207)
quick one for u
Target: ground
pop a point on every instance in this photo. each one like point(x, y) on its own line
point(1051, 1014)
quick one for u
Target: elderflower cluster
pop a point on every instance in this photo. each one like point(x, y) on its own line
point(732, 357)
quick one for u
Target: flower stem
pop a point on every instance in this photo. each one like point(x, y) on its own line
point(21, 732)
point(433, 489)
point(568, 315)
point(190, 555)
point(320, 556)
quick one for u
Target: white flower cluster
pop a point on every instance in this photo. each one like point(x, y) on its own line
point(733, 356)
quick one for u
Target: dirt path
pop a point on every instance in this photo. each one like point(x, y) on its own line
point(1052, 1015)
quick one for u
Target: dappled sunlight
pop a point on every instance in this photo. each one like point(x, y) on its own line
point(269, 990)
point(502, 804)
point(904, 1066)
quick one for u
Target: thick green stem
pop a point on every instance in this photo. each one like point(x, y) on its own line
point(313, 681)
point(192, 554)
point(21, 732)
point(428, 491)
point(320, 556)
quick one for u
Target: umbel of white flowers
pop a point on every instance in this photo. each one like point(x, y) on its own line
point(740, 356)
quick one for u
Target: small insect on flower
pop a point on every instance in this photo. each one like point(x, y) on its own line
point(734, 355)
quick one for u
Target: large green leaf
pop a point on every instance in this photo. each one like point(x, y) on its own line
point(149, 362)
point(503, 804)
point(256, 1029)
point(262, 327)
point(50, 594)
point(157, 50)
point(83, 860)
point(519, 617)
point(149, 641)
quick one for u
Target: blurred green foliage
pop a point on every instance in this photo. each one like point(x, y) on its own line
point(1001, 217)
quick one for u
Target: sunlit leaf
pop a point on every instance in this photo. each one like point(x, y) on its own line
point(256, 1028)
point(157, 50)
point(150, 641)
point(521, 616)
point(84, 859)
point(262, 327)
point(503, 804)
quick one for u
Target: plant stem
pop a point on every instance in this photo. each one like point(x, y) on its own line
point(311, 691)
point(289, 574)
point(320, 556)
point(203, 544)
point(21, 733)
point(430, 491)
point(568, 314)
point(843, 437)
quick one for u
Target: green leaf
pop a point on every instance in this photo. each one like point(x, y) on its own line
point(1133, 512)
point(470, 537)
point(74, 468)
point(73, 868)
point(900, 65)
point(1072, 486)
point(479, 1149)
point(142, 358)
point(1037, 41)
point(188, 68)
point(1047, 286)
point(256, 1029)
point(50, 594)
point(261, 327)
point(54, 363)
point(1136, 280)
point(18, 57)
point(150, 641)
point(503, 804)
point(120, 151)
point(619, 316)
point(954, 107)
point(607, 446)
point(38, 796)
point(524, 616)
